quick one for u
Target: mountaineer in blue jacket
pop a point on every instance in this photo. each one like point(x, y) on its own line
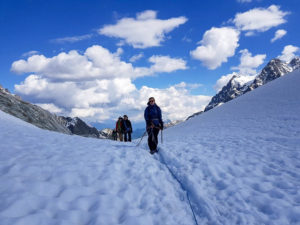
point(154, 123)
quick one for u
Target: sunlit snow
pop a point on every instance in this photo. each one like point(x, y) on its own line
point(236, 164)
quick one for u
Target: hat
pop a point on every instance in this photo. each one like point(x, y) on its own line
point(125, 116)
point(120, 117)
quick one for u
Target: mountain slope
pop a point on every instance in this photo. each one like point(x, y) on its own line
point(41, 118)
point(30, 113)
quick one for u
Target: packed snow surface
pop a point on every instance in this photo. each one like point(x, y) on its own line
point(236, 164)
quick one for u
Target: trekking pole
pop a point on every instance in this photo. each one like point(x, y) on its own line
point(161, 136)
point(141, 139)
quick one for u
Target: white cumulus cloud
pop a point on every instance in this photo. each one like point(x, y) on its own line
point(96, 63)
point(288, 53)
point(143, 31)
point(278, 34)
point(166, 64)
point(97, 85)
point(216, 46)
point(249, 63)
point(107, 99)
point(260, 19)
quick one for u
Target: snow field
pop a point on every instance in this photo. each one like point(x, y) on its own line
point(240, 163)
point(50, 178)
point(236, 164)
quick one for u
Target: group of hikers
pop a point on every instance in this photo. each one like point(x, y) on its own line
point(123, 128)
point(154, 124)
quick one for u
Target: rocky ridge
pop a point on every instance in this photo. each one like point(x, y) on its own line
point(30, 113)
point(14, 105)
point(273, 70)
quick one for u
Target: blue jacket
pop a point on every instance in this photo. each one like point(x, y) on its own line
point(153, 115)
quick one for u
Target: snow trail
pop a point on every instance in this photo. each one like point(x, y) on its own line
point(161, 159)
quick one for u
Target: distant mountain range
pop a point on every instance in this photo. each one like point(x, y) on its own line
point(238, 85)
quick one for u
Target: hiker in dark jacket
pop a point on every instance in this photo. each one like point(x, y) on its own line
point(154, 123)
point(120, 128)
point(127, 128)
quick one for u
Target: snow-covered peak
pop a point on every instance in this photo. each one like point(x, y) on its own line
point(241, 80)
point(79, 127)
point(274, 69)
point(295, 63)
point(234, 88)
point(239, 84)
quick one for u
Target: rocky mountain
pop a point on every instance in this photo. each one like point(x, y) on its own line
point(79, 127)
point(237, 86)
point(274, 69)
point(40, 117)
point(295, 63)
point(30, 113)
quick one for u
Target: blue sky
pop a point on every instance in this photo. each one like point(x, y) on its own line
point(101, 59)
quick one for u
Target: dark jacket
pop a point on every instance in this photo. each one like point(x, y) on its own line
point(153, 115)
point(127, 126)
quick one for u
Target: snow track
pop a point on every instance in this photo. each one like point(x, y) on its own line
point(161, 159)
